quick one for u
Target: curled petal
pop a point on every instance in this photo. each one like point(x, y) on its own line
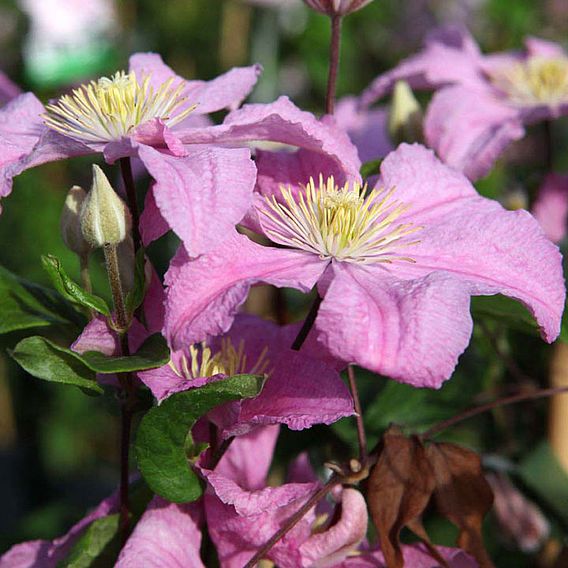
point(470, 129)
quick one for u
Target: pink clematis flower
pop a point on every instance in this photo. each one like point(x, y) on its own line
point(395, 267)
point(242, 513)
point(551, 206)
point(337, 7)
point(482, 102)
point(300, 390)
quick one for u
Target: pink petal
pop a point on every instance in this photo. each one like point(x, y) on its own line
point(167, 536)
point(226, 91)
point(153, 133)
point(543, 48)
point(334, 544)
point(204, 294)
point(412, 331)
point(450, 56)
point(368, 129)
point(282, 122)
point(152, 223)
point(203, 195)
point(469, 129)
point(551, 206)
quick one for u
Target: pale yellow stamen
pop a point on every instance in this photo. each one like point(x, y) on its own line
point(201, 362)
point(110, 108)
point(349, 224)
point(538, 80)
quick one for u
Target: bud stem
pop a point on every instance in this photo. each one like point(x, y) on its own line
point(333, 63)
point(128, 179)
point(113, 271)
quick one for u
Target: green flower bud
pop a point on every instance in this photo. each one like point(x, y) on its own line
point(405, 117)
point(105, 219)
point(70, 222)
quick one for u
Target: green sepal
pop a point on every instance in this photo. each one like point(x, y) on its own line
point(162, 442)
point(370, 168)
point(70, 289)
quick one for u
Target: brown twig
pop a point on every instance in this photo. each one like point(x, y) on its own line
point(220, 452)
point(361, 436)
point(333, 63)
point(470, 413)
point(293, 520)
point(308, 324)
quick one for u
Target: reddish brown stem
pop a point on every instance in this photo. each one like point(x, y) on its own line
point(470, 413)
point(333, 63)
point(361, 436)
point(308, 324)
point(293, 520)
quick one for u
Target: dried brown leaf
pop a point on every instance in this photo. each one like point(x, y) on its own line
point(462, 495)
point(398, 490)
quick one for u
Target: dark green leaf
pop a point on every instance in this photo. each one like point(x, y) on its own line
point(92, 543)
point(370, 168)
point(135, 297)
point(153, 353)
point(160, 446)
point(25, 305)
point(70, 289)
point(46, 360)
point(505, 310)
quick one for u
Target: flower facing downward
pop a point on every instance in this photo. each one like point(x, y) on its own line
point(228, 360)
point(348, 224)
point(537, 81)
point(110, 108)
point(337, 7)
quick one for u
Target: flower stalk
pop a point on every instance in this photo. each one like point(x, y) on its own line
point(334, 49)
point(128, 179)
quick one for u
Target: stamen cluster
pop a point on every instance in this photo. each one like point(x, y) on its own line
point(539, 80)
point(348, 224)
point(202, 362)
point(109, 108)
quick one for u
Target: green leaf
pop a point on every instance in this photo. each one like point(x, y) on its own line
point(542, 472)
point(50, 362)
point(92, 543)
point(153, 353)
point(506, 310)
point(135, 297)
point(26, 305)
point(370, 168)
point(70, 289)
point(160, 446)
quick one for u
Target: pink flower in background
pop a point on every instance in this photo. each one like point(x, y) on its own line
point(551, 206)
point(395, 267)
point(8, 89)
point(337, 7)
point(482, 102)
point(300, 390)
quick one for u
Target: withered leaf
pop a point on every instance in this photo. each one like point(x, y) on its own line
point(398, 490)
point(462, 495)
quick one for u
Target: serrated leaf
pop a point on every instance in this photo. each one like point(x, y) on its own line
point(135, 297)
point(160, 446)
point(25, 305)
point(153, 353)
point(370, 168)
point(505, 310)
point(92, 543)
point(50, 362)
point(70, 289)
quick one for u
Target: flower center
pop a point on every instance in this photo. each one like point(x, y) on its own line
point(228, 360)
point(539, 80)
point(349, 224)
point(109, 108)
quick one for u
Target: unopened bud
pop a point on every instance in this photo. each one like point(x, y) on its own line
point(70, 222)
point(337, 7)
point(405, 117)
point(105, 219)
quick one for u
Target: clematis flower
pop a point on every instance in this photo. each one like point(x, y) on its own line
point(300, 390)
point(153, 114)
point(49, 554)
point(482, 102)
point(242, 513)
point(395, 266)
point(337, 7)
point(551, 206)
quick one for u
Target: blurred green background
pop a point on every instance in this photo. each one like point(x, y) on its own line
point(58, 447)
